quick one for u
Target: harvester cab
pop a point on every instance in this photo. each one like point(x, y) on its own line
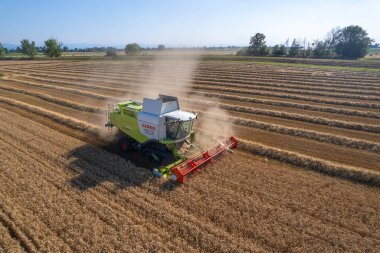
point(164, 134)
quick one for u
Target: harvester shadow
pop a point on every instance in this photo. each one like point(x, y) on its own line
point(96, 166)
point(168, 186)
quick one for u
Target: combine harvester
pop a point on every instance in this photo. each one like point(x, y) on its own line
point(163, 134)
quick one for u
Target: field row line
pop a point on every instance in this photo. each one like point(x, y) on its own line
point(49, 234)
point(250, 110)
point(25, 240)
point(246, 99)
point(281, 85)
point(222, 80)
point(121, 174)
point(99, 213)
point(244, 186)
point(309, 134)
point(105, 201)
point(344, 141)
point(47, 155)
point(337, 79)
point(204, 77)
point(301, 95)
point(304, 118)
point(317, 90)
point(299, 73)
point(326, 167)
point(284, 115)
point(145, 204)
point(350, 112)
point(249, 73)
point(349, 172)
point(59, 88)
point(60, 118)
point(134, 73)
point(310, 234)
point(287, 96)
point(55, 100)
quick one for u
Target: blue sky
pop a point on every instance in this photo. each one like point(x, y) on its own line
point(181, 23)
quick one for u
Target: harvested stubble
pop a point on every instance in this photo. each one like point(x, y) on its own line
point(219, 87)
point(294, 97)
point(58, 101)
point(305, 118)
point(245, 99)
point(207, 85)
point(344, 141)
point(335, 123)
point(355, 174)
point(75, 91)
point(281, 82)
point(319, 136)
point(131, 76)
point(80, 198)
point(218, 95)
point(73, 123)
point(326, 167)
point(81, 78)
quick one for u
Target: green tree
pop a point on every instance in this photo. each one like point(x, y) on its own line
point(111, 51)
point(331, 40)
point(3, 50)
point(306, 50)
point(352, 42)
point(52, 48)
point(257, 45)
point(321, 49)
point(161, 47)
point(132, 49)
point(279, 50)
point(28, 48)
point(295, 49)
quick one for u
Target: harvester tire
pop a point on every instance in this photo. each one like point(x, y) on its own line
point(149, 155)
point(125, 144)
point(166, 159)
point(158, 157)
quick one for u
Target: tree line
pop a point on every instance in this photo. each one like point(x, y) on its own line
point(350, 42)
point(52, 48)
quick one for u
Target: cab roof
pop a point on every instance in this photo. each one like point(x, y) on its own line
point(181, 115)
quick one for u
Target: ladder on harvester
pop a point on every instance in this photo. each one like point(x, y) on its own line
point(110, 108)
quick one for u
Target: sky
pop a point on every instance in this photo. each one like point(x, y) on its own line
point(181, 22)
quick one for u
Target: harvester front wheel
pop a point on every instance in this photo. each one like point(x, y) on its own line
point(125, 144)
point(151, 157)
point(158, 157)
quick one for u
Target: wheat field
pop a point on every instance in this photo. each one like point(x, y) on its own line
point(305, 177)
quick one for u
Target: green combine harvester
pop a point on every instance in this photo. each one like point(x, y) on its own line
point(164, 135)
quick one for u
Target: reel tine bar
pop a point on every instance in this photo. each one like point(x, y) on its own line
point(196, 164)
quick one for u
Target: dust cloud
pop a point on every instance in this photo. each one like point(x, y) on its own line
point(213, 125)
point(170, 74)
